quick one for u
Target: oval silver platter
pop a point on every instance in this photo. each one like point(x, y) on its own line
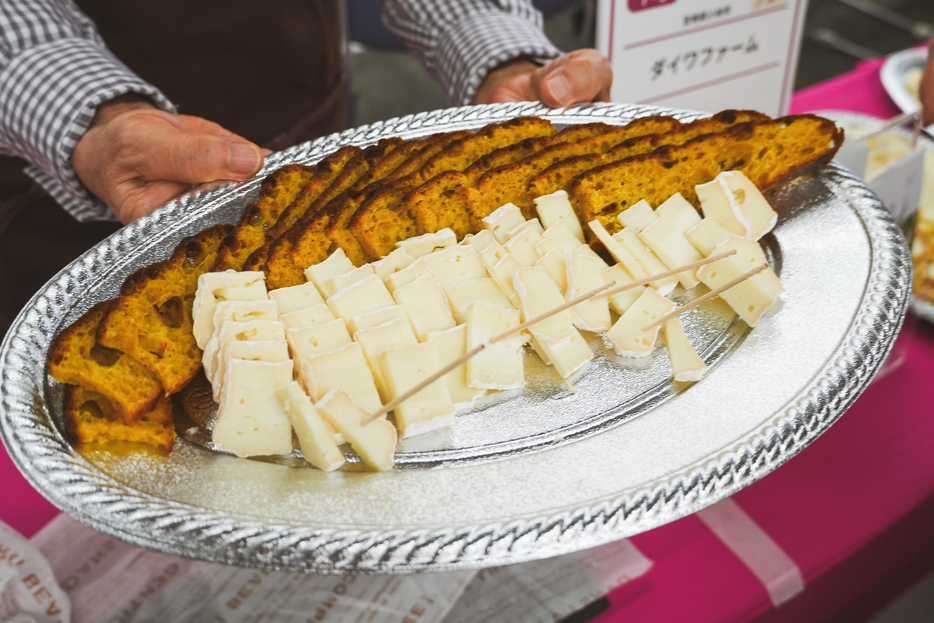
point(529, 475)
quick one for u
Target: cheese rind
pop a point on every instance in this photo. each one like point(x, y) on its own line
point(375, 340)
point(336, 264)
point(479, 241)
point(427, 306)
point(499, 365)
point(217, 287)
point(627, 336)
point(452, 344)
point(420, 246)
point(666, 237)
point(250, 418)
point(737, 204)
point(345, 369)
point(502, 221)
point(430, 408)
point(296, 298)
point(462, 295)
point(686, 365)
point(314, 436)
point(556, 208)
point(375, 442)
point(621, 301)
point(362, 296)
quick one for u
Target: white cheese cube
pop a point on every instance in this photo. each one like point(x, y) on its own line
point(638, 216)
point(345, 369)
point(737, 204)
point(427, 306)
point(502, 273)
point(377, 316)
point(250, 418)
point(618, 251)
point(365, 295)
point(585, 274)
point(629, 238)
point(686, 366)
point(308, 317)
point(407, 275)
point(462, 295)
point(666, 237)
point(567, 356)
point(621, 301)
point(558, 236)
point(336, 264)
point(751, 298)
point(296, 298)
point(318, 338)
point(232, 331)
point(271, 351)
point(226, 286)
point(314, 436)
point(455, 264)
point(554, 264)
point(394, 262)
point(375, 442)
point(556, 208)
point(499, 365)
point(502, 221)
point(479, 241)
point(492, 254)
point(339, 282)
point(430, 408)
point(539, 294)
point(420, 246)
point(522, 244)
point(452, 344)
point(628, 337)
point(706, 235)
point(376, 340)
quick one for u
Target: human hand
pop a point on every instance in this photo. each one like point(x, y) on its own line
point(574, 78)
point(136, 157)
point(927, 89)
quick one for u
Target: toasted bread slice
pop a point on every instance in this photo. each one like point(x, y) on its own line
point(92, 419)
point(581, 131)
point(442, 202)
point(460, 154)
point(643, 126)
point(560, 175)
point(151, 320)
point(767, 152)
point(435, 143)
point(278, 191)
point(383, 220)
point(506, 155)
point(76, 358)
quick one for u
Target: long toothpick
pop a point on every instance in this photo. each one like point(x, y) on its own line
point(706, 297)
point(392, 404)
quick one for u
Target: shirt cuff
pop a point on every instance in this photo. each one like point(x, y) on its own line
point(478, 43)
point(48, 97)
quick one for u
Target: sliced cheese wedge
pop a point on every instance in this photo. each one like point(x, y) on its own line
point(420, 246)
point(706, 235)
point(568, 356)
point(522, 243)
point(345, 369)
point(498, 366)
point(250, 419)
point(431, 408)
point(502, 221)
point(392, 263)
point(375, 442)
point(376, 340)
point(319, 338)
point(629, 238)
point(231, 331)
point(737, 204)
point(638, 216)
point(619, 276)
point(452, 344)
point(314, 436)
point(479, 241)
point(407, 275)
point(539, 294)
point(377, 316)
point(492, 254)
point(336, 264)
point(558, 236)
point(365, 295)
point(666, 237)
point(556, 208)
point(308, 317)
point(339, 282)
point(462, 295)
point(618, 251)
point(502, 273)
point(555, 265)
point(455, 264)
point(686, 365)
point(427, 306)
point(296, 298)
point(226, 286)
point(271, 351)
point(628, 337)
point(584, 274)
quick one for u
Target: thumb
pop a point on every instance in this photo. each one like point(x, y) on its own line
point(581, 76)
point(192, 157)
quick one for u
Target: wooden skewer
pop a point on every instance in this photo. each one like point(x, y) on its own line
point(668, 273)
point(706, 297)
point(392, 404)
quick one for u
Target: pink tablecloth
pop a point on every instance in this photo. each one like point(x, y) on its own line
point(854, 511)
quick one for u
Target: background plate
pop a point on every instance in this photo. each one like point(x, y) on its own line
point(893, 73)
point(847, 273)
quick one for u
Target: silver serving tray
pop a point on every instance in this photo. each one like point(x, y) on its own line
point(526, 476)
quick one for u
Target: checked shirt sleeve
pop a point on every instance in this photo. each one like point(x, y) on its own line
point(54, 72)
point(460, 41)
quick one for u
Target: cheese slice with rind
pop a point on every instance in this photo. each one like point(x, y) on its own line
point(462, 295)
point(345, 369)
point(362, 296)
point(376, 340)
point(454, 264)
point(686, 365)
point(250, 419)
point(375, 442)
point(296, 298)
point(427, 306)
point(585, 274)
point(737, 204)
point(420, 246)
point(503, 220)
point(666, 237)
point(498, 366)
point(314, 435)
point(556, 208)
point(638, 216)
point(627, 336)
point(431, 408)
point(217, 287)
point(522, 244)
point(336, 264)
point(272, 351)
point(452, 344)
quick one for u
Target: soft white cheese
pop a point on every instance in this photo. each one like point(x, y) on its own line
point(296, 298)
point(407, 275)
point(638, 216)
point(502, 221)
point(375, 442)
point(339, 282)
point(558, 236)
point(226, 286)
point(666, 237)
point(539, 294)
point(272, 351)
point(686, 365)
point(619, 253)
point(318, 338)
point(308, 317)
point(314, 436)
point(737, 204)
point(629, 238)
point(619, 276)
point(336, 264)
point(430, 408)
point(455, 264)
point(394, 262)
point(628, 337)
point(555, 265)
point(365, 295)
point(492, 254)
point(377, 316)
point(233, 330)
point(585, 274)
point(479, 241)
point(502, 273)
point(522, 244)
point(462, 295)
point(452, 344)
point(376, 340)
point(427, 306)
point(568, 356)
point(420, 246)
point(250, 418)
point(556, 208)
point(706, 235)
point(499, 365)
point(344, 369)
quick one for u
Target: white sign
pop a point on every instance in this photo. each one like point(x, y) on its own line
point(702, 54)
